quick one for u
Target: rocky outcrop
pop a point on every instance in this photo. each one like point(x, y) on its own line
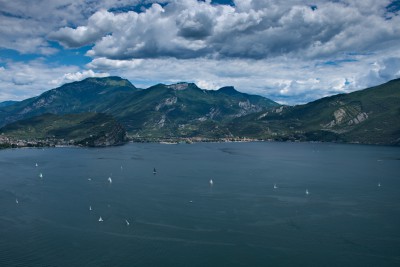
point(179, 86)
point(167, 102)
point(343, 117)
point(360, 118)
point(213, 113)
point(161, 122)
point(246, 108)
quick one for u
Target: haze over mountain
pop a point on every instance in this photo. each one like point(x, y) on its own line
point(184, 110)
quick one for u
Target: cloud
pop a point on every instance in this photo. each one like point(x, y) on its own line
point(250, 29)
point(109, 64)
point(20, 80)
point(77, 76)
point(381, 71)
point(23, 35)
point(286, 80)
point(292, 51)
point(25, 24)
point(99, 24)
point(282, 79)
point(195, 25)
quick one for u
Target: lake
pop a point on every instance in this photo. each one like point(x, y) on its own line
point(350, 216)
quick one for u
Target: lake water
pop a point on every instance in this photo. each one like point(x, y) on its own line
point(176, 218)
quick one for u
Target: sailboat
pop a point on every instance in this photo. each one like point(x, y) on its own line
point(127, 223)
point(154, 171)
point(109, 180)
point(36, 165)
point(100, 219)
point(16, 200)
point(379, 184)
point(90, 207)
point(211, 182)
point(41, 175)
point(307, 193)
point(275, 187)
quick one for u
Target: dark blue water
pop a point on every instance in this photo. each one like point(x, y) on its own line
point(178, 219)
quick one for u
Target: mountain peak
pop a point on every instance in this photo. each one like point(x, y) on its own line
point(394, 80)
point(181, 86)
point(109, 81)
point(7, 103)
point(230, 90)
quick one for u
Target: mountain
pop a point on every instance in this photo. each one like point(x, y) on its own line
point(7, 103)
point(87, 129)
point(183, 110)
point(160, 111)
point(370, 116)
point(91, 94)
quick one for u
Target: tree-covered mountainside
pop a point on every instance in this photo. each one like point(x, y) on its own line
point(183, 110)
point(89, 95)
point(7, 103)
point(87, 129)
point(370, 116)
point(175, 110)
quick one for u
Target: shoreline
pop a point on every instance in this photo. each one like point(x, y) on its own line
point(63, 144)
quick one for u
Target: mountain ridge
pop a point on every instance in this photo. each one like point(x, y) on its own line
point(370, 116)
point(183, 110)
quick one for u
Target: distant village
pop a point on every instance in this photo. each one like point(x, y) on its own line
point(8, 142)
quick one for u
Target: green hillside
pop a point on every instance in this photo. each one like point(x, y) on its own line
point(7, 103)
point(87, 129)
point(89, 95)
point(160, 111)
point(183, 110)
point(370, 116)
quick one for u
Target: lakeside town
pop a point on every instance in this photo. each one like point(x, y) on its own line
point(9, 142)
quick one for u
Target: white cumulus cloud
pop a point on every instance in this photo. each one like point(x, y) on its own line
point(292, 51)
point(251, 29)
point(77, 76)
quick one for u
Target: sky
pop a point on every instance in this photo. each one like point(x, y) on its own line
point(292, 51)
